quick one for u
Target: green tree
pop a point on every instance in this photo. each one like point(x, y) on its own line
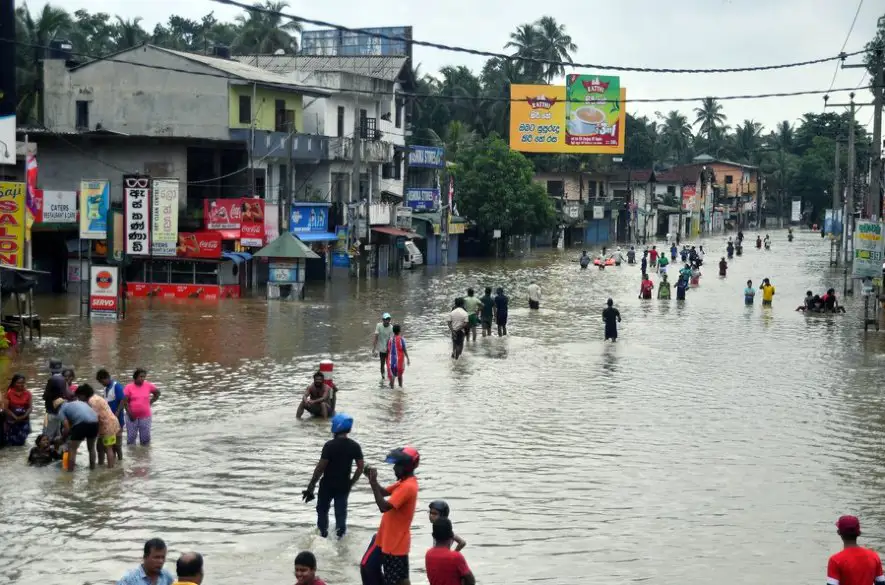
point(553, 44)
point(677, 136)
point(128, 33)
point(264, 33)
point(494, 187)
point(710, 117)
point(747, 142)
point(525, 42)
point(35, 32)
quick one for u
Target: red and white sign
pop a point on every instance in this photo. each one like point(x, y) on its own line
point(252, 225)
point(222, 214)
point(55, 206)
point(271, 222)
point(688, 197)
point(199, 245)
point(207, 292)
point(104, 291)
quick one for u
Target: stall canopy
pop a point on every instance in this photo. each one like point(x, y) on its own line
point(14, 280)
point(317, 237)
point(237, 257)
point(286, 246)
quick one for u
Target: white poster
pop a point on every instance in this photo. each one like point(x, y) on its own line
point(673, 224)
point(60, 206)
point(164, 207)
point(796, 211)
point(271, 222)
point(104, 287)
point(136, 191)
point(598, 212)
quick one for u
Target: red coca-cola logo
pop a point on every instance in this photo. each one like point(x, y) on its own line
point(251, 228)
point(209, 245)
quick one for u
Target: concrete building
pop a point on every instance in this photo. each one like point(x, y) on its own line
point(588, 214)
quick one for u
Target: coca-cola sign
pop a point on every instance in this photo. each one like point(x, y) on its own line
point(199, 245)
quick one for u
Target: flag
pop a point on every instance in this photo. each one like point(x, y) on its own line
point(31, 191)
point(452, 208)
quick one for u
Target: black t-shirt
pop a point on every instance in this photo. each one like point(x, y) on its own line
point(610, 315)
point(487, 304)
point(501, 302)
point(340, 453)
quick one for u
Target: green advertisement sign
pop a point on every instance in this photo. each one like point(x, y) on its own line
point(592, 110)
point(869, 247)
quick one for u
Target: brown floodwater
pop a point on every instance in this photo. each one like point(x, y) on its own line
point(712, 439)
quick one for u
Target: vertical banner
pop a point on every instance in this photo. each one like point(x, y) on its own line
point(869, 247)
point(271, 222)
point(164, 209)
point(796, 211)
point(95, 199)
point(136, 210)
point(12, 224)
point(252, 223)
point(104, 291)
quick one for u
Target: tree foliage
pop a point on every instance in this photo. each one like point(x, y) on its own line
point(494, 187)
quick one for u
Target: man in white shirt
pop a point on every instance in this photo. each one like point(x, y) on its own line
point(534, 296)
point(458, 320)
point(383, 333)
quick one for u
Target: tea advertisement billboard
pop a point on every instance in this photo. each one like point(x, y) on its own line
point(585, 116)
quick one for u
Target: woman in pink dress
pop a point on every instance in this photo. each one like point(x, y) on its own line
point(397, 357)
point(139, 395)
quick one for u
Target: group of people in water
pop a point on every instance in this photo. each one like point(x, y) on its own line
point(77, 413)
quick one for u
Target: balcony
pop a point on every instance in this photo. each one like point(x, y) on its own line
point(306, 148)
point(379, 152)
point(382, 214)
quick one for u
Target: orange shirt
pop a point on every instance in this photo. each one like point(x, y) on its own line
point(395, 533)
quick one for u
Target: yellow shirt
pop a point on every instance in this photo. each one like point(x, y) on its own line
point(767, 292)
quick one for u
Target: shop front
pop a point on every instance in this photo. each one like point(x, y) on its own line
point(309, 222)
point(428, 226)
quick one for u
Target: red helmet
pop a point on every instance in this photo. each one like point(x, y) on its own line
point(406, 456)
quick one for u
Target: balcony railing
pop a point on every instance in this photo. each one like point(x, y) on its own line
point(372, 152)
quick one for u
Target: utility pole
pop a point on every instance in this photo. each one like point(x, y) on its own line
point(875, 206)
point(355, 173)
point(837, 194)
point(290, 180)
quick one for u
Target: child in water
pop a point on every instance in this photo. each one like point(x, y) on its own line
point(44, 453)
point(440, 509)
point(749, 293)
point(664, 289)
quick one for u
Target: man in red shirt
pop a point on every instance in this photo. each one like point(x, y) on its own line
point(853, 565)
point(653, 257)
point(446, 566)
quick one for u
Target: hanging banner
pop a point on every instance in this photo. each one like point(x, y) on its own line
point(95, 200)
point(136, 209)
point(252, 223)
point(222, 214)
point(104, 291)
point(56, 206)
point(796, 211)
point(164, 210)
point(869, 248)
point(12, 224)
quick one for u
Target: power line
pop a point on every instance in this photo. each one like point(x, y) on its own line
point(845, 44)
point(480, 53)
point(451, 97)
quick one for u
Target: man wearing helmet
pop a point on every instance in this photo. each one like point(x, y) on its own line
point(397, 504)
point(334, 466)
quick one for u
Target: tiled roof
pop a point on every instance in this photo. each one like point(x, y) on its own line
point(385, 68)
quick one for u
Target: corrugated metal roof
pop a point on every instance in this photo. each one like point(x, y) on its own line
point(244, 71)
point(385, 68)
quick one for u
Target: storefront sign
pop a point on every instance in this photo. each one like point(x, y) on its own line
point(136, 206)
point(309, 218)
point(222, 214)
point(12, 224)
point(103, 291)
point(427, 157)
point(869, 248)
point(422, 199)
point(207, 292)
point(591, 120)
point(199, 245)
point(252, 231)
point(56, 206)
point(95, 200)
point(164, 209)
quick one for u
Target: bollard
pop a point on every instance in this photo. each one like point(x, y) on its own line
point(326, 367)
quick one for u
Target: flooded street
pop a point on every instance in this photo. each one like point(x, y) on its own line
point(711, 439)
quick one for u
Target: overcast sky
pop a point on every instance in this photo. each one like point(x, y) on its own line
point(647, 33)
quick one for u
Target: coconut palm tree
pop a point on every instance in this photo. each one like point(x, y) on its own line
point(677, 135)
point(553, 44)
point(710, 117)
point(128, 33)
point(525, 42)
point(266, 32)
point(35, 33)
point(747, 141)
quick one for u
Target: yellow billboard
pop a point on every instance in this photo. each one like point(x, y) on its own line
point(12, 224)
point(582, 117)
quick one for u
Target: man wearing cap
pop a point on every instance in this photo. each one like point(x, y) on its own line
point(853, 565)
point(383, 333)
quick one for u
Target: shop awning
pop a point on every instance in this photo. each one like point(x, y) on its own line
point(237, 257)
point(392, 231)
point(316, 237)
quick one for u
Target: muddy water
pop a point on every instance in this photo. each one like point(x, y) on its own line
point(711, 439)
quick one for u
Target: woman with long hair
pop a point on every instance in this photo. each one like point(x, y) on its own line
point(18, 412)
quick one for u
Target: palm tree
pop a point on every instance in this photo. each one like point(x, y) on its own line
point(128, 33)
point(782, 137)
point(553, 44)
point(458, 136)
point(677, 135)
point(526, 40)
point(747, 141)
point(710, 117)
point(35, 33)
point(265, 31)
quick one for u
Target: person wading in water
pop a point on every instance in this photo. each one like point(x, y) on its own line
point(853, 565)
point(611, 316)
point(383, 333)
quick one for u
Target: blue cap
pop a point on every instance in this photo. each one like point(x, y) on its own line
point(385, 316)
point(341, 423)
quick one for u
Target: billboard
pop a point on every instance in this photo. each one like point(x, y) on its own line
point(252, 223)
point(222, 214)
point(204, 244)
point(12, 224)
point(338, 43)
point(307, 217)
point(164, 212)
point(869, 247)
point(95, 199)
point(427, 157)
point(591, 120)
point(796, 211)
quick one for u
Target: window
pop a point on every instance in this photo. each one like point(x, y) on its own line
point(245, 109)
point(729, 179)
point(340, 121)
point(671, 190)
point(556, 188)
point(280, 116)
point(397, 165)
point(364, 116)
point(82, 121)
point(399, 112)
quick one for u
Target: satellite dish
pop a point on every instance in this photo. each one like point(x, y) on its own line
point(279, 52)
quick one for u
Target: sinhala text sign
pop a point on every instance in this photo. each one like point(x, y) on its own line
point(869, 247)
point(137, 218)
point(164, 209)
